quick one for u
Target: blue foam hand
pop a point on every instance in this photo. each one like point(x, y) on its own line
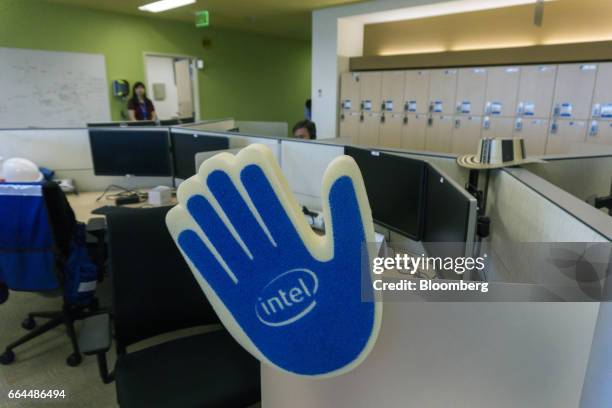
point(290, 297)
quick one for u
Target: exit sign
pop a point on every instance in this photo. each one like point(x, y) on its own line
point(201, 18)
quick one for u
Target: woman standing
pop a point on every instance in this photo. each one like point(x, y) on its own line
point(139, 106)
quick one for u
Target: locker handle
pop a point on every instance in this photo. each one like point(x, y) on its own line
point(431, 107)
point(361, 117)
point(405, 120)
point(457, 123)
point(382, 118)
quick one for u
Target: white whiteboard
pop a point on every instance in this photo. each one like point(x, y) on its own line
point(52, 89)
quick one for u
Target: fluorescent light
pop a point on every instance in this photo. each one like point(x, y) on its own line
point(164, 5)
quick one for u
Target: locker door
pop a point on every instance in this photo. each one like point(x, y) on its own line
point(574, 90)
point(536, 91)
point(442, 91)
point(414, 130)
point(497, 127)
point(466, 134)
point(535, 133)
point(602, 96)
point(563, 134)
point(391, 130)
point(416, 91)
point(349, 126)
point(369, 129)
point(600, 132)
point(350, 92)
point(393, 91)
point(371, 87)
point(471, 88)
point(439, 133)
point(502, 90)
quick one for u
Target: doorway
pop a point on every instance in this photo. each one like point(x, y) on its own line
point(172, 85)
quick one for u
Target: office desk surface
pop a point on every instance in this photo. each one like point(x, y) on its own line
point(84, 203)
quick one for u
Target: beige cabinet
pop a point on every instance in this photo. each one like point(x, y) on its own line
point(574, 91)
point(414, 130)
point(442, 91)
point(466, 134)
point(349, 126)
point(535, 133)
point(563, 135)
point(471, 89)
point(497, 127)
point(416, 91)
point(439, 131)
point(371, 91)
point(502, 91)
point(391, 130)
point(350, 92)
point(600, 132)
point(536, 88)
point(393, 91)
point(369, 129)
point(602, 95)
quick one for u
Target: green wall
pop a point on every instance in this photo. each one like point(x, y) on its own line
point(246, 76)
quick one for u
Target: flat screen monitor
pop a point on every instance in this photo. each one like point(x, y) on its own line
point(395, 188)
point(186, 145)
point(170, 122)
point(189, 119)
point(140, 123)
point(136, 152)
point(104, 124)
point(450, 216)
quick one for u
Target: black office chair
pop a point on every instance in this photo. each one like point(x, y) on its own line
point(63, 226)
point(154, 292)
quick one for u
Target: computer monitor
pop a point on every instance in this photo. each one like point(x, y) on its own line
point(395, 188)
point(104, 124)
point(170, 122)
point(450, 216)
point(186, 145)
point(189, 119)
point(140, 123)
point(135, 152)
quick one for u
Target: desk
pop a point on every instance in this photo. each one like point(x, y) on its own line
point(84, 203)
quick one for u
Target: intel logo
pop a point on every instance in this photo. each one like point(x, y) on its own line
point(287, 298)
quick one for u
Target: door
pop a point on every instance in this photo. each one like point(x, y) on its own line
point(502, 90)
point(439, 133)
point(182, 72)
point(600, 132)
point(416, 91)
point(536, 89)
point(496, 127)
point(369, 129)
point(535, 133)
point(602, 96)
point(349, 126)
point(391, 130)
point(393, 91)
point(442, 90)
point(471, 89)
point(564, 134)
point(466, 134)
point(574, 91)
point(350, 92)
point(414, 129)
point(371, 87)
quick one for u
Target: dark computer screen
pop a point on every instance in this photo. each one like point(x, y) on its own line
point(140, 123)
point(447, 216)
point(186, 145)
point(104, 124)
point(123, 151)
point(395, 188)
point(189, 119)
point(170, 122)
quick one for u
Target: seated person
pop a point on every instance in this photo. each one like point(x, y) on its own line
point(305, 129)
point(139, 106)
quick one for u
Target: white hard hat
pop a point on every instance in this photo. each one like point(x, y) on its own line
point(18, 170)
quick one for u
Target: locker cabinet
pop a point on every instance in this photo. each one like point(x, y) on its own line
point(442, 91)
point(600, 132)
point(497, 127)
point(602, 95)
point(535, 93)
point(350, 92)
point(466, 134)
point(371, 89)
point(416, 91)
point(502, 90)
point(369, 129)
point(574, 91)
point(349, 126)
point(535, 133)
point(414, 129)
point(563, 134)
point(393, 91)
point(471, 89)
point(391, 130)
point(439, 131)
